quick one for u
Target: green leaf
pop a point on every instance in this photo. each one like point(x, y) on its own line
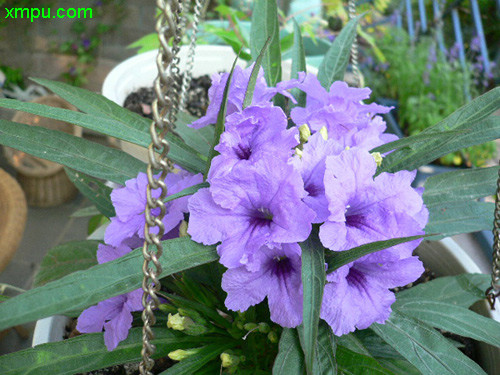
point(98, 193)
point(290, 360)
point(195, 362)
point(187, 191)
point(451, 318)
point(265, 25)
point(198, 139)
point(88, 352)
point(459, 217)
point(74, 152)
point(313, 281)
point(337, 259)
point(462, 290)
point(83, 289)
point(147, 43)
point(298, 63)
point(86, 212)
point(324, 361)
point(254, 75)
point(424, 347)
point(65, 259)
point(221, 119)
point(471, 119)
point(334, 64)
point(109, 118)
point(353, 363)
point(466, 184)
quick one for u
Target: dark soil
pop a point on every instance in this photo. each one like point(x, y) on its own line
point(197, 102)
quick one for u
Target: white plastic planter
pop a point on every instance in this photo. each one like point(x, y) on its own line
point(445, 257)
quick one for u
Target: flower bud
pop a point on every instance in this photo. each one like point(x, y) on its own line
point(298, 152)
point(180, 354)
point(304, 132)
point(167, 308)
point(183, 229)
point(250, 326)
point(273, 337)
point(176, 322)
point(264, 328)
point(229, 360)
point(193, 323)
point(324, 133)
point(378, 158)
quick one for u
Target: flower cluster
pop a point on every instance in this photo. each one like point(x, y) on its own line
point(268, 186)
point(123, 234)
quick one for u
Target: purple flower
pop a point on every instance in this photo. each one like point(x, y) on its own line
point(252, 134)
point(239, 83)
point(113, 314)
point(357, 295)
point(363, 209)
point(86, 43)
point(475, 44)
point(312, 167)
point(130, 203)
point(251, 207)
point(278, 279)
point(348, 120)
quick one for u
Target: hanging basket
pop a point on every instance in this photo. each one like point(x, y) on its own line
point(45, 183)
point(14, 209)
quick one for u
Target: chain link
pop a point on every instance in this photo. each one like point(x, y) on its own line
point(494, 290)
point(358, 76)
point(186, 81)
point(154, 229)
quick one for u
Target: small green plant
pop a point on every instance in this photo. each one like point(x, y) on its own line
point(428, 87)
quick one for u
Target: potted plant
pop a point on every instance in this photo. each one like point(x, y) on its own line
point(277, 213)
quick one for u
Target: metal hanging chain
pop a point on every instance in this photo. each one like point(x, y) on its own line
point(494, 290)
point(163, 105)
point(358, 76)
point(186, 82)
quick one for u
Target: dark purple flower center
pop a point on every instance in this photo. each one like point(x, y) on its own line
point(313, 190)
point(355, 220)
point(281, 266)
point(261, 217)
point(243, 152)
point(356, 278)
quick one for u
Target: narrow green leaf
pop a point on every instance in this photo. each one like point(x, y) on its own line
point(290, 360)
point(462, 290)
point(471, 119)
point(334, 64)
point(451, 318)
point(265, 25)
point(187, 191)
point(449, 219)
point(198, 139)
point(88, 352)
point(83, 289)
point(98, 193)
point(298, 63)
point(326, 346)
point(313, 281)
point(107, 117)
point(65, 259)
point(420, 137)
point(353, 363)
point(337, 259)
point(398, 366)
point(254, 75)
point(74, 152)
point(195, 362)
point(86, 212)
point(424, 347)
point(221, 119)
point(461, 185)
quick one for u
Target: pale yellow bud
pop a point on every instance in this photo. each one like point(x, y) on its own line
point(180, 354)
point(304, 132)
point(324, 133)
point(378, 158)
point(229, 360)
point(299, 152)
point(176, 322)
point(183, 229)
